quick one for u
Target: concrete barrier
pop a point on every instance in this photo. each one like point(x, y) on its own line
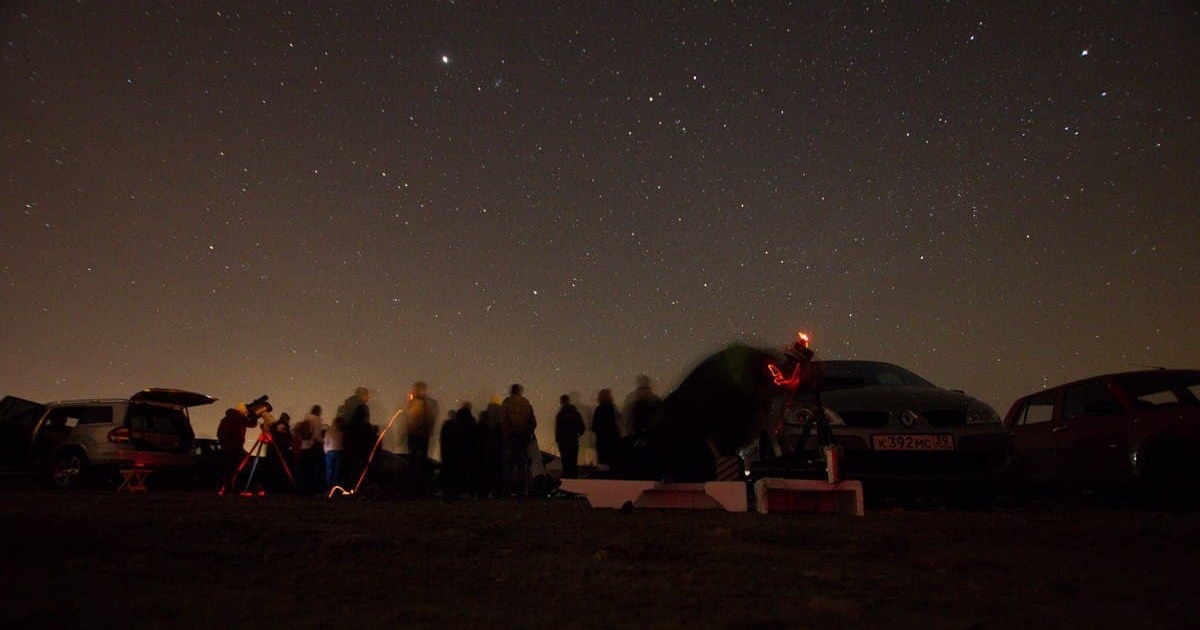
point(616, 493)
point(778, 495)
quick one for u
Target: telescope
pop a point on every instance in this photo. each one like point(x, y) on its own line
point(258, 407)
point(260, 410)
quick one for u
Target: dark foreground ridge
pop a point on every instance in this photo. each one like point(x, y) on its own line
point(191, 559)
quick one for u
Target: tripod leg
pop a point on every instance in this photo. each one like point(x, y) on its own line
point(283, 462)
point(230, 482)
point(256, 452)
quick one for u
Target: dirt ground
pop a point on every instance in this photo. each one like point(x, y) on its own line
point(194, 559)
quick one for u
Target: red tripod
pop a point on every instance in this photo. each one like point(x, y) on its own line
point(258, 453)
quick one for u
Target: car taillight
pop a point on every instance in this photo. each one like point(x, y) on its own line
point(119, 435)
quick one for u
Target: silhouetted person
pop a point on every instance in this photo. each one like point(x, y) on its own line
point(357, 433)
point(643, 405)
point(605, 425)
point(458, 451)
point(361, 396)
point(359, 438)
point(518, 424)
point(231, 437)
point(420, 417)
point(279, 454)
point(568, 428)
point(489, 450)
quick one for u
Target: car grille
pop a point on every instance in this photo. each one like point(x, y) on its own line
point(864, 418)
point(945, 417)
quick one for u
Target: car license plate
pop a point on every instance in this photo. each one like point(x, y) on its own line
point(913, 442)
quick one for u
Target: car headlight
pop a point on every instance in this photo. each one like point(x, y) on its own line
point(982, 414)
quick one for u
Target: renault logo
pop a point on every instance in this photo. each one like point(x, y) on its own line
point(909, 418)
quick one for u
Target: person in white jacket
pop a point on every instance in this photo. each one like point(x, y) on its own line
point(309, 455)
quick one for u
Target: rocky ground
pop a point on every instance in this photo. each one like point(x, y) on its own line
point(193, 559)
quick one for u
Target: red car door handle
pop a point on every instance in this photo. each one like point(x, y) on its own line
point(1058, 429)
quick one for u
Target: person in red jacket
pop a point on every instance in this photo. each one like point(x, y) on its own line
point(231, 437)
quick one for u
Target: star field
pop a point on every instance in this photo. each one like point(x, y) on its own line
point(299, 198)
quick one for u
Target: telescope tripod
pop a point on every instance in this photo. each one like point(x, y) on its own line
point(808, 455)
point(258, 453)
point(796, 458)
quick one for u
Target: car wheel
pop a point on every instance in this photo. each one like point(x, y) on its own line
point(1170, 474)
point(66, 469)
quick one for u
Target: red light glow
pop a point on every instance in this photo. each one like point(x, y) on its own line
point(789, 382)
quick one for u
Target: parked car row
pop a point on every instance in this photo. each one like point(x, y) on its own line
point(1130, 428)
point(1133, 428)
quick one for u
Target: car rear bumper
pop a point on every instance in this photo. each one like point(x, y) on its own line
point(123, 455)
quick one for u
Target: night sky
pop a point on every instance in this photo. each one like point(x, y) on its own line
point(296, 199)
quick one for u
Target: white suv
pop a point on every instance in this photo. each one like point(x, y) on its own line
point(150, 429)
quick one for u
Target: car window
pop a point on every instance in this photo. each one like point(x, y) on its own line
point(1089, 399)
point(848, 374)
point(1038, 409)
point(1156, 399)
point(1150, 390)
point(157, 419)
point(72, 416)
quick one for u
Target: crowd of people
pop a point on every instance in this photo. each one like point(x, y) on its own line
point(492, 455)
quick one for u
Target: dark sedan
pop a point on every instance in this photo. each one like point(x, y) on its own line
point(894, 425)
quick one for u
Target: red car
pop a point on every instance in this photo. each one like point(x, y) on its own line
point(1116, 429)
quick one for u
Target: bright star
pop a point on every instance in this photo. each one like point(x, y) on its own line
point(445, 60)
